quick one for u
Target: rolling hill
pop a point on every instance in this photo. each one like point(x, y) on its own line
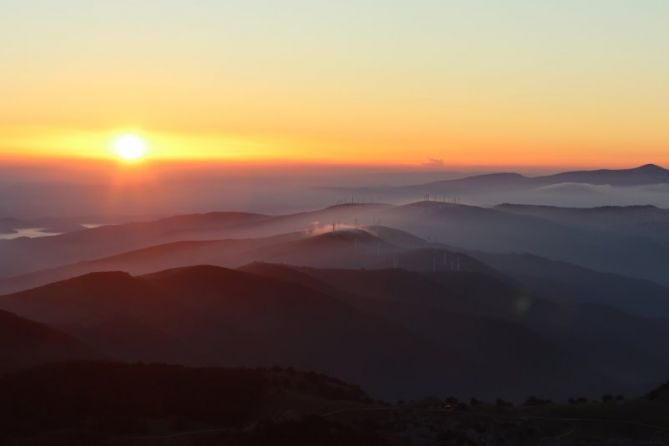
point(496, 231)
point(215, 316)
point(26, 255)
point(26, 343)
point(623, 218)
point(356, 324)
point(485, 315)
point(23, 256)
point(564, 282)
point(363, 247)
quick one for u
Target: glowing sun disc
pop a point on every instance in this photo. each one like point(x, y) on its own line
point(130, 147)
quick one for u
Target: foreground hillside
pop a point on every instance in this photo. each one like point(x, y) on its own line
point(106, 403)
point(114, 403)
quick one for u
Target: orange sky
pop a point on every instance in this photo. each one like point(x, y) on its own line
point(471, 83)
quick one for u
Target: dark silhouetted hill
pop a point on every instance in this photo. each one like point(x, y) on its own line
point(98, 400)
point(564, 282)
point(215, 316)
point(486, 316)
point(107, 403)
point(25, 343)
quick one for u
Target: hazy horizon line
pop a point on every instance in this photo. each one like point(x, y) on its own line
point(271, 164)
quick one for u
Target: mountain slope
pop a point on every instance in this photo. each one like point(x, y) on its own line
point(492, 230)
point(228, 253)
point(364, 247)
point(25, 255)
point(214, 316)
point(564, 282)
point(24, 343)
point(28, 255)
point(357, 325)
point(481, 313)
point(621, 218)
point(87, 402)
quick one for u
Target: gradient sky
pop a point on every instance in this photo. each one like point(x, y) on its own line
point(522, 82)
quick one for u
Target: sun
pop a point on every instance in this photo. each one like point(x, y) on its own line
point(130, 147)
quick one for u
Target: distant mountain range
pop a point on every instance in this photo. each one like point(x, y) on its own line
point(415, 299)
point(602, 239)
point(648, 174)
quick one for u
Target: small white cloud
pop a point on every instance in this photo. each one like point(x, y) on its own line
point(433, 162)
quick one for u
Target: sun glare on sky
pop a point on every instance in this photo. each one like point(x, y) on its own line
point(129, 147)
point(470, 83)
